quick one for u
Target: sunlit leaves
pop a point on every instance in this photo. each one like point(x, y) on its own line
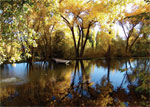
point(139, 6)
point(32, 23)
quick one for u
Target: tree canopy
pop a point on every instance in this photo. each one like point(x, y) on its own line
point(29, 25)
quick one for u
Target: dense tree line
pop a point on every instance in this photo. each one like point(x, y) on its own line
point(42, 29)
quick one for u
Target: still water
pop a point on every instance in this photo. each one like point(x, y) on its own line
point(124, 82)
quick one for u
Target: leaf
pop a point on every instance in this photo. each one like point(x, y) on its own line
point(25, 8)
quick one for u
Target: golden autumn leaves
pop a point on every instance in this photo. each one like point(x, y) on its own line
point(45, 17)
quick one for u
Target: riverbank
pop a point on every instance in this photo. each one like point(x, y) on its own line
point(83, 58)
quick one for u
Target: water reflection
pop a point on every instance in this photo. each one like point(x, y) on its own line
point(93, 83)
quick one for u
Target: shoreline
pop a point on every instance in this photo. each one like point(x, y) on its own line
point(84, 58)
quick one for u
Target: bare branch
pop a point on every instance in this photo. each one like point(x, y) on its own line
point(124, 30)
point(66, 21)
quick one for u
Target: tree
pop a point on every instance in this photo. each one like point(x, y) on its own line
point(132, 34)
point(138, 17)
point(10, 46)
point(80, 23)
point(43, 21)
point(59, 44)
point(84, 14)
point(25, 26)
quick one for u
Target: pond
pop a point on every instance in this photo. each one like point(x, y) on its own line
point(115, 82)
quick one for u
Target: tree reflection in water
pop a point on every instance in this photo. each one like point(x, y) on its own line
point(53, 88)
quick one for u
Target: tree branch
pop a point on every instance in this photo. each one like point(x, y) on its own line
point(66, 21)
point(123, 30)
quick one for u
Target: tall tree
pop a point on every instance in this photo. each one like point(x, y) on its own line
point(10, 47)
point(82, 15)
point(137, 20)
point(43, 18)
point(79, 22)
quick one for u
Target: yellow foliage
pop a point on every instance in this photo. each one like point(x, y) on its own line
point(141, 7)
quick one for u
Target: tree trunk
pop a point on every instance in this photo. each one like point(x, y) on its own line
point(135, 39)
point(127, 45)
point(51, 41)
point(78, 45)
point(74, 40)
point(84, 44)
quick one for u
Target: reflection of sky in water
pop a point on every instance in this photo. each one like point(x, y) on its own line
point(96, 75)
point(76, 77)
point(116, 77)
point(19, 71)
